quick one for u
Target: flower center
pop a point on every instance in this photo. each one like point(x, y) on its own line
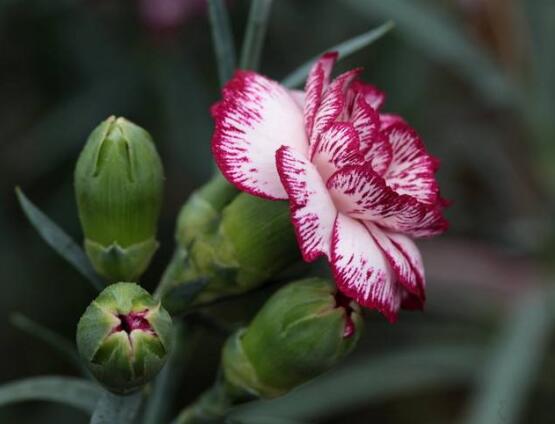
point(342, 301)
point(133, 321)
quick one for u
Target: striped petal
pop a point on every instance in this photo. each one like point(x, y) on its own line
point(371, 94)
point(403, 257)
point(361, 269)
point(332, 104)
point(317, 81)
point(312, 209)
point(362, 194)
point(336, 148)
point(373, 145)
point(254, 119)
point(412, 170)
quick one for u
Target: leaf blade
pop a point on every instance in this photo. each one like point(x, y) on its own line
point(75, 392)
point(49, 337)
point(222, 39)
point(345, 49)
point(512, 367)
point(251, 50)
point(58, 240)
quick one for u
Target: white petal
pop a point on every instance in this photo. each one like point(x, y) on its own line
point(360, 268)
point(312, 210)
point(255, 118)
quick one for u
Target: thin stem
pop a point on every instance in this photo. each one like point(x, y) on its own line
point(211, 406)
point(166, 384)
point(115, 409)
point(254, 37)
point(171, 274)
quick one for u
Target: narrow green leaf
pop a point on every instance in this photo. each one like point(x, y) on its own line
point(345, 49)
point(75, 392)
point(442, 38)
point(222, 39)
point(374, 380)
point(51, 338)
point(56, 238)
point(509, 373)
point(251, 50)
point(114, 409)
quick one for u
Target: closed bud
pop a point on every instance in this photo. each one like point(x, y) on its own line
point(235, 247)
point(124, 337)
point(118, 185)
point(303, 330)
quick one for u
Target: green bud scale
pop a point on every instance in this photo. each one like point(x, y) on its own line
point(124, 337)
point(118, 186)
point(235, 247)
point(303, 330)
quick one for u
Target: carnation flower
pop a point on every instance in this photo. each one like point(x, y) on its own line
point(359, 182)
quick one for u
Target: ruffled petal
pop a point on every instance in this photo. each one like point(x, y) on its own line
point(403, 257)
point(371, 94)
point(312, 209)
point(336, 148)
point(360, 268)
point(412, 170)
point(255, 118)
point(332, 104)
point(316, 82)
point(299, 97)
point(389, 119)
point(374, 146)
point(362, 194)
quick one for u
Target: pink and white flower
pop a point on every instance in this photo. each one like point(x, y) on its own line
point(359, 182)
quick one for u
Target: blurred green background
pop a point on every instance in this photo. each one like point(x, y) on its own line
point(476, 78)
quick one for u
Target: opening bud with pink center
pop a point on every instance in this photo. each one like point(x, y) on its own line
point(234, 247)
point(303, 330)
point(118, 186)
point(124, 337)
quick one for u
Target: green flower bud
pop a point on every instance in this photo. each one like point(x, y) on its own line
point(124, 337)
point(235, 247)
point(118, 185)
point(303, 330)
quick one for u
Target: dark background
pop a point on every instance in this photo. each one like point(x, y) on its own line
point(476, 78)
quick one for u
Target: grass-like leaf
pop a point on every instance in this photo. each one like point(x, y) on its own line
point(372, 380)
point(75, 392)
point(114, 409)
point(509, 373)
point(222, 38)
point(51, 338)
point(251, 50)
point(56, 238)
point(346, 48)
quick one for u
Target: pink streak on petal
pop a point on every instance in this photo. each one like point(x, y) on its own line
point(312, 210)
point(253, 120)
point(360, 268)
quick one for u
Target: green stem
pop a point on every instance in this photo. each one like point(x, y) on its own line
point(172, 273)
point(210, 407)
point(166, 384)
point(115, 409)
